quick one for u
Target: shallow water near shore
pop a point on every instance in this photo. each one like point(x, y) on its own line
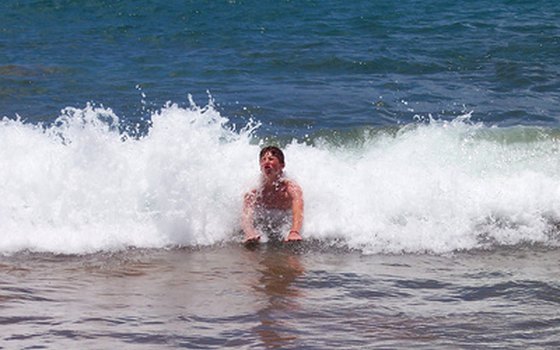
point(290, 298)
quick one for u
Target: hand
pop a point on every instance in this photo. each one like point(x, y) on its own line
point(293, 236)
point(252, 239)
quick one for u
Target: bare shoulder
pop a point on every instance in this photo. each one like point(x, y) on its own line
point(251, 195)
point(293, 187)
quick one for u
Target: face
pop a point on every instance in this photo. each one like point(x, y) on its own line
point(271, 166)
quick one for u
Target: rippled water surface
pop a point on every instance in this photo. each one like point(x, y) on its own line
point(298, 298)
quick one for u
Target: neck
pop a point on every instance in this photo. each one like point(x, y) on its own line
point(272, 180)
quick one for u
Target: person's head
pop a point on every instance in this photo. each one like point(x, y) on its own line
point(274, 151)
point(271, 160)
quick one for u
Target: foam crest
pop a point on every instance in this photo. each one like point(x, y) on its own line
point(434, 188)
point(83, 185)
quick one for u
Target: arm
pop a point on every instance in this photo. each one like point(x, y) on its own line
point(296, 195)
point(247, 217)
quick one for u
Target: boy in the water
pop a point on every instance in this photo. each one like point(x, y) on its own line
point(276, 198)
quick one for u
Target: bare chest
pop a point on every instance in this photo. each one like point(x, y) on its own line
point(275, 197)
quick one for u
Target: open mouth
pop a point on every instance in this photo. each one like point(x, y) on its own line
point(268, 169)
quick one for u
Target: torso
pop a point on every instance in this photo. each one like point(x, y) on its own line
point(275, 196)
point(273, 205)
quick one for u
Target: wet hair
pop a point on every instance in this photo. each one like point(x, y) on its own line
point(275, 151)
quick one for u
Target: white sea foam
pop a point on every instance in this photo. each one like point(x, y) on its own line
point(82, 185)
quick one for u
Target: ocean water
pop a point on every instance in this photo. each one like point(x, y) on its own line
point(425, 136)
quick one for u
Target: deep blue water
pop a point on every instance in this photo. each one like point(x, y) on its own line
point(295, 66)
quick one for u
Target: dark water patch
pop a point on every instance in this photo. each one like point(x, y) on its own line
point(485, 275)
point(108, 321)
point(71, 334)
point(24, 294)
point(371, 295)
point(8, 320)
point(512, 290)
point(354, 286)
point(421, 284)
